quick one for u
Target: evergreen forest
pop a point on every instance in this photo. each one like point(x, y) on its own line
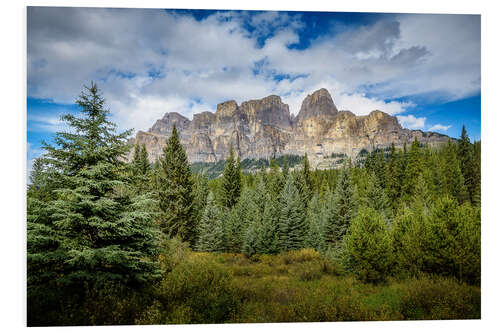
point(393, 236)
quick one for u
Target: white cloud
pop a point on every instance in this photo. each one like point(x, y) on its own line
point(46, 123)
point(439, 127)
point(202, 63)
point(412, 122)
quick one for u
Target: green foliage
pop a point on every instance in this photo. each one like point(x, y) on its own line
point(368, 252)
point(275, 237)
point(201, 192)
point(292, 226)
point(414, 168)
point(341, 211)
point(231, 181)
point(94, 230)
point(376, 196)
point(141, 169)
point(211, 228)
point(196, 291)
point(440, 299)
point(470, 167)
point(453, 180)
point(175, 192)
point(316, 221)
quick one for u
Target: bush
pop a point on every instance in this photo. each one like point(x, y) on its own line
point(301, 255)
point(368, 252)
point(440, 298)
point(202, 288)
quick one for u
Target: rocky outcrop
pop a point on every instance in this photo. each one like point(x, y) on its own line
point(264, 128)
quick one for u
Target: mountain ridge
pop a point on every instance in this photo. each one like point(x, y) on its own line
point(264, 128)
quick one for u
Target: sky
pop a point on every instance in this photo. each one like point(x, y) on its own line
point(423, 68)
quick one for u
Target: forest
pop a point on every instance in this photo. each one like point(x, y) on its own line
point(392, 235)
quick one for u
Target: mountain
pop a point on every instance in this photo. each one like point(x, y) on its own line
point(265, 128)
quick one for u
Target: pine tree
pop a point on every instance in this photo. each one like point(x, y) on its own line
point(468, 166)
point(285, 169)
point(268, 241)
point(306, 173)
point(291, 225)
point(316, 218)
point(211, 230)
point(42, 182)
point(376, 197)
point(392, 180)
point(276, 180)
point(201, 191)
point(453, 181)
point(252, 237)
point(175, 192)
point(93, 232)
point(414, 168)
point(141, 169)
point(341, 211)
point(399, 177)
point(368, 252)
point(242, 216)
point(380, 168)
point(231, 181)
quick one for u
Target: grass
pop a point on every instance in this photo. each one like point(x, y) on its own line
point(297, 286)
point(300, 286)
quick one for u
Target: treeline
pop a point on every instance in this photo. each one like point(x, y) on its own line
point(215, 169)
point(414, 210)
point(94, 220)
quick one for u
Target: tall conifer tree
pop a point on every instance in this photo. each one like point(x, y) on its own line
point(292, 227)
point(342, 210)
point(175, 194)
point(231, 181)
point(94, 232)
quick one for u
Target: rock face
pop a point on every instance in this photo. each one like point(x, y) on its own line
point(264, 128)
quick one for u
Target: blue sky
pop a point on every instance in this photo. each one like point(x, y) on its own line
point(425, 69)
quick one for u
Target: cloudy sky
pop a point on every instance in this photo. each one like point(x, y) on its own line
point(425, 69)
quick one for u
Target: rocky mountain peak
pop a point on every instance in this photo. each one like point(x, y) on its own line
point(269, 110)
point(226, 109)
point(164, 125)
point(320, 103)
point(264, 128)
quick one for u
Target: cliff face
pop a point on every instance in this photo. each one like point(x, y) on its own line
point(264, 128)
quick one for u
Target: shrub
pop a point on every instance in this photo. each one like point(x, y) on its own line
point(202, 287)
point(440, 298)
point(301, 255)
point(368, 252)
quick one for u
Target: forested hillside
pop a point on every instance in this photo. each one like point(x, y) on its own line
point(395, 235)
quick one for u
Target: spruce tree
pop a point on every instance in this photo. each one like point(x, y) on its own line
point(268, 236)
point(453, 181)
point(392, 180)
point(316, 220)
point(141, 169)
point(341, 211)
point(285, 169)
point(93, 232)
point(175, 193)
point(376, 196)
point(292, 226)
point(201, 192)
point(211, 229)
point(414, 168)
point(231, 181)
point(468, 166)
point(242, 216)
point(276, 180)
point(252, 238)
point(306, 173)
